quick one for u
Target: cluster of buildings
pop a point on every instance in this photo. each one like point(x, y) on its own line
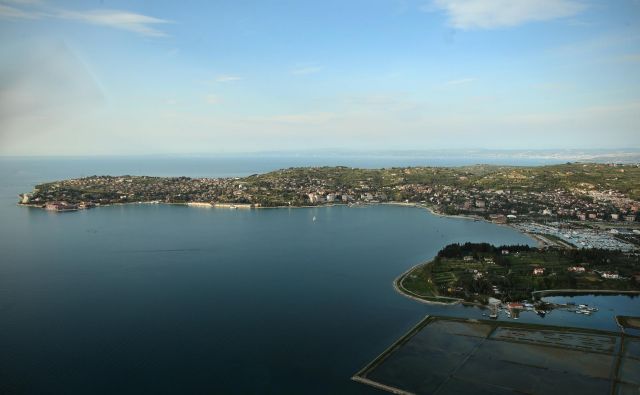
point(446, 190)
point(502, 205)
point(320, 197)
point(96, 190)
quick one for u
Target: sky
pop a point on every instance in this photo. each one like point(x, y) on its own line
point(165, 77)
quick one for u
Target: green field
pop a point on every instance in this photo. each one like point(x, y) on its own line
point(475, 272)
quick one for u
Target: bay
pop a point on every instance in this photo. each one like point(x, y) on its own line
point(176, 299)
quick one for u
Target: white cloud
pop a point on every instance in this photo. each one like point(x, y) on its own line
point(488, 14)
point(227, 78)
point(118, 19)
point(15, 13)
point(137, 23)
point(460, 81)
point(188, 131)
point(306, 69)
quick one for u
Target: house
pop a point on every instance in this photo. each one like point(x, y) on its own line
point(468, 258)
point(52, 206)
point(610, 275)
point(367, 197)
point(60, 206)
point(576, 269)
point(505, 252)
point(538, 271)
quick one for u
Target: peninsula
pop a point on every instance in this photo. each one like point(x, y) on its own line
point(475, 272)
point(576, 191)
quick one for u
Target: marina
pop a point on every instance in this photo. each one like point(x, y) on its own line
point(513, 310)
point(577, 237)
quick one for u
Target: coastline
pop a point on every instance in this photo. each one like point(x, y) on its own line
point(564, 292)
point(397, 282)
point(241, 205)
point(231, 206)
point(397, 285)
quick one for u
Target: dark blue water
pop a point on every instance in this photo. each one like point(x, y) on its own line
point(174, 299)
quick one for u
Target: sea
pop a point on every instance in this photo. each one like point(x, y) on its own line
point(170, 299)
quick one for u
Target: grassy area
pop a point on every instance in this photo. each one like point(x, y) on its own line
point(536, 178)
point(475, 272)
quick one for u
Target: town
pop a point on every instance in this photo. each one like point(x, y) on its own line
point(589, 205)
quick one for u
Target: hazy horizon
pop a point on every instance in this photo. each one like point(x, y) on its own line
point(121, 78)
point(602, 155)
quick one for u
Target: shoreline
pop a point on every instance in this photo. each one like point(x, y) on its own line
point(397, 282)
point(563, 292)
point(399, 288)
point(397, 285)
point(188, 204)
point(227, 206)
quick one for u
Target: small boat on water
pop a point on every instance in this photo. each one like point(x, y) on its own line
point(314, 218)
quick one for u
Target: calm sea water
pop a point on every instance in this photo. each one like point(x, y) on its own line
point(173, 299)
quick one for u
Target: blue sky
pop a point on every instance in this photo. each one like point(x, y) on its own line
point(115, 77)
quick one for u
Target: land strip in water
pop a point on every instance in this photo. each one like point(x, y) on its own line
point(575, 191)
point(475, 272)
